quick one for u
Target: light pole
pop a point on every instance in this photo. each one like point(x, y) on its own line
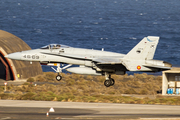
point(5, 83)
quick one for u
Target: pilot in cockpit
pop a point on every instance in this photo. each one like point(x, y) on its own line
point(58, 46)
point(54, 47)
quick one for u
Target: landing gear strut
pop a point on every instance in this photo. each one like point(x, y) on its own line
point(109, 81)
point(59, 70)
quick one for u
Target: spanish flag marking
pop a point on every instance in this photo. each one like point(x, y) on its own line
point(138, 67)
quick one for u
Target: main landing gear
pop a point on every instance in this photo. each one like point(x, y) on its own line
point(59, 70)
point(109, 81)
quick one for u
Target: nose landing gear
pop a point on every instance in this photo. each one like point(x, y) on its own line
point(59, 70)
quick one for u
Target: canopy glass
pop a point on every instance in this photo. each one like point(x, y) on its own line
point(54, 46)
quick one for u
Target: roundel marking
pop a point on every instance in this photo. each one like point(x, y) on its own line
point(138, 67)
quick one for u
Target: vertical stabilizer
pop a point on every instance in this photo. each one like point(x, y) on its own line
point(144, 50)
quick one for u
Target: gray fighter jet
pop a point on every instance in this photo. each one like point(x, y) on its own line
point(96, 62)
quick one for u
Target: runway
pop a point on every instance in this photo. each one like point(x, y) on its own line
point(20, 109)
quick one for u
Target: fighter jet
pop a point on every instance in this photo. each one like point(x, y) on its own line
point(97, 62)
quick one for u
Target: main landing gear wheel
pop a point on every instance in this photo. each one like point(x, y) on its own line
point(58, 77)
point(109, 82)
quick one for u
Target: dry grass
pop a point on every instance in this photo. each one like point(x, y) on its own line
point(86, 88)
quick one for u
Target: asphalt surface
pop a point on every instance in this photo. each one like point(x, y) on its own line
point(17, 109)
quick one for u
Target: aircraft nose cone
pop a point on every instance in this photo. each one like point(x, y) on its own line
point(14, 56)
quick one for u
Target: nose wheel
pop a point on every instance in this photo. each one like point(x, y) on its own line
point(58, 77)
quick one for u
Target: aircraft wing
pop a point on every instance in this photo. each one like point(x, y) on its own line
point(104, 63)
point(101, 61)
point(109, 64)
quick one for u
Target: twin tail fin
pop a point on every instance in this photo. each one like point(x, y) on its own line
point(144, 50)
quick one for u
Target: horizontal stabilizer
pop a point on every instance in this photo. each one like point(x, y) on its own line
point(158, 67)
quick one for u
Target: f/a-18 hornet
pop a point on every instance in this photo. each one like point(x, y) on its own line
point(97, 62)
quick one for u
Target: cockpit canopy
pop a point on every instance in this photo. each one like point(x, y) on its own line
point(54, 46)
